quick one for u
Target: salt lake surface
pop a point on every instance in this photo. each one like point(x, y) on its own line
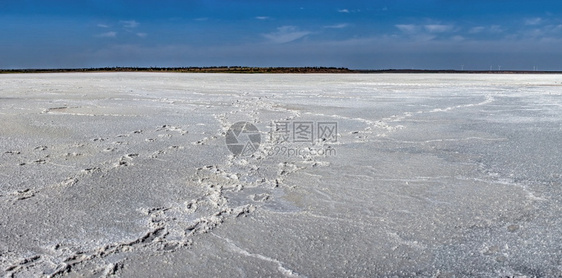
point(398, 175)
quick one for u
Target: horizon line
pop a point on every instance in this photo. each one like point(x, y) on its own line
point(252, 69)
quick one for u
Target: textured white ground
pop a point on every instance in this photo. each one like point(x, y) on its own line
point(128, 174)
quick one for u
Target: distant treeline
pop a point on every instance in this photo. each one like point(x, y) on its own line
point(225, 69)
point(237, 69)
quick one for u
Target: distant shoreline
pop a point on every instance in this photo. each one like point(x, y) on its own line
point(250, 70)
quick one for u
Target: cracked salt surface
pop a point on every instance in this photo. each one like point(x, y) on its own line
point(128, 174)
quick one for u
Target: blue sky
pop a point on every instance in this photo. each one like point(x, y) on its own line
point(378, 34)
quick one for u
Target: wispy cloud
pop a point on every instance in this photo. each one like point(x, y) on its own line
point(496, 29)
point(262, 17)
point(476, 30)
point(533, 21)
point(103, 25)
point(427, 28)
point(285, 34)
point(542, 32)
point(337, 26)
point(457, 38)
point(407, 28)
point(348, 11)
point(142, 35)
point(488, 29)
point(438, 28)
point(107, 35)
point(557, 28)
point(428, 32)
point(129, 24)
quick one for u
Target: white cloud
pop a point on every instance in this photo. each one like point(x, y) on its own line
point(129, 24)
point(142, 35)
point(477, 29)
point(107, 35)
point(262, 17)
point(542, 32)
point(488, 29)
point(457, 38)
point(285, 34)
point(424, 37)
point(407, 28)
point(535, 33)
point(533, 21)
point(337, 26)
point(348, 11)
point(438, 28)
point(427, 32)
point(103, 25)
point(496, 29)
